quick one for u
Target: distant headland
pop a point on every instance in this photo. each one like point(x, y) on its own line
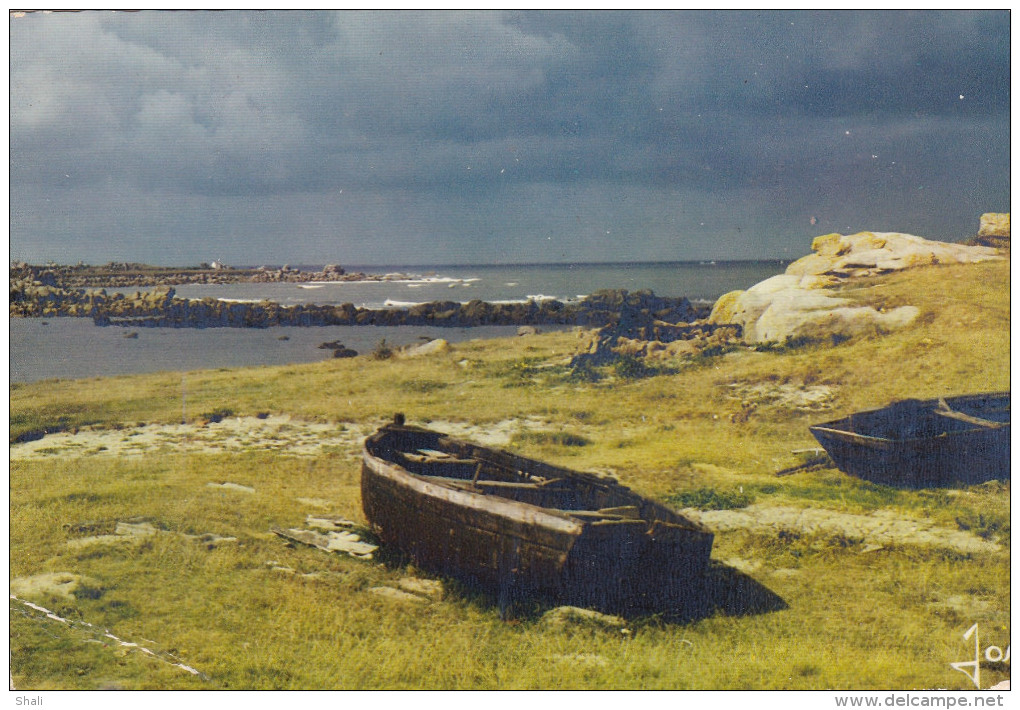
point(126, 275)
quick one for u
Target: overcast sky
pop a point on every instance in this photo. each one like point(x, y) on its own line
point(439, 138)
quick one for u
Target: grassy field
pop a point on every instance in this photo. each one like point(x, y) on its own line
point(793, 607)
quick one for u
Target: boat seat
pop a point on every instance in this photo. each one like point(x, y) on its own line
point(432, 459)
point(625, 512)
point(944, 410)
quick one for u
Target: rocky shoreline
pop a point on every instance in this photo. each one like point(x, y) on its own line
point(161, 308)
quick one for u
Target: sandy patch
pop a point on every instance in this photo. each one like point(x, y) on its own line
point(793, 396)
point(57, 584)
point(136, 532)
point(280, 433)
point(231, 435)
point(495, 434)
point(880, 527)
point(124, 532)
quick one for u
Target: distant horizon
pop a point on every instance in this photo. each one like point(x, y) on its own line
point(499, 137)
point(362, 267)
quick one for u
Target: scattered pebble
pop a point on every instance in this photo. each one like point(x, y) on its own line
point(232, 486)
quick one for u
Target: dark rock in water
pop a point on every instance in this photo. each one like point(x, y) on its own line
point(132, 335)
point(284, 337)
point(334, 345)
point(344, 352)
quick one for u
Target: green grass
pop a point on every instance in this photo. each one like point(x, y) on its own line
point(711, 499)
point(848, 616)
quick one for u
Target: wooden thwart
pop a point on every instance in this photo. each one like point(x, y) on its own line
point(944, 410)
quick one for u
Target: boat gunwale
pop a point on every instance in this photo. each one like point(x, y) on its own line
point(921, 405)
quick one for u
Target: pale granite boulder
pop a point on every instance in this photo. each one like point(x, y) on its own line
point(800, 304)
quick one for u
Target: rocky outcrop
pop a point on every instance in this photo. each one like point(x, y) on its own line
point(994, 230)
point(639, 325)
point(800, 305)
point(838, 256)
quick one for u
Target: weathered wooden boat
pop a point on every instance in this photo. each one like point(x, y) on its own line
point(523, 527)
point(924, 443)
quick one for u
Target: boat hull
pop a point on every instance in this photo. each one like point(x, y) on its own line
point(922, 443)
point(516, 548)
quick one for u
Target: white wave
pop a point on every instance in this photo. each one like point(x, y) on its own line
point(390, 303)
point(311, 285)
point(241, 300)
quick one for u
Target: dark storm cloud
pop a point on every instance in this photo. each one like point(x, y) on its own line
point(430, 137)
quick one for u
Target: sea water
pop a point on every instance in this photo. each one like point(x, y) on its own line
point(71, 348)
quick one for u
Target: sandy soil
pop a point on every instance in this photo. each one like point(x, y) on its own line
point(238, 434)
point(873, 530)
point(302, 438)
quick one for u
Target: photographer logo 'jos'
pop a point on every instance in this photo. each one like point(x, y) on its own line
point(992, 654)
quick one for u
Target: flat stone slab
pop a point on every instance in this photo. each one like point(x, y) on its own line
point(329, 522)
point(346, 542)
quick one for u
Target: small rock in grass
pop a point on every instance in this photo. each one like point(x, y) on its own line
point(232, 486)
point(396, 595)
point(431, 588)
point(329, 522)
point(135, 529)
point(563, 616)
point(212, 540)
